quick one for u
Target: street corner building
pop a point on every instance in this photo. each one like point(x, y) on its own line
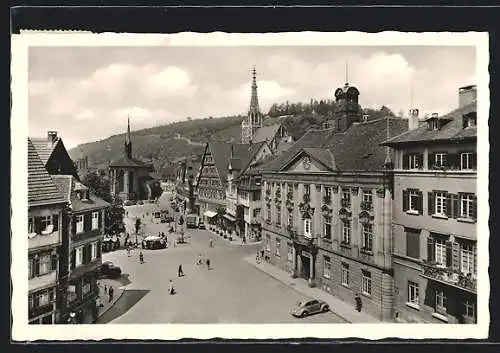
point(65, 229)
point(434, 221)
point(328, 206)
point(46, 206)
point(130, 177)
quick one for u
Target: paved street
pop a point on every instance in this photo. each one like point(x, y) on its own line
point(233, 291)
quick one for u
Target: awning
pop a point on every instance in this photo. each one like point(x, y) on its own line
point(210, 214)
point(229, 217)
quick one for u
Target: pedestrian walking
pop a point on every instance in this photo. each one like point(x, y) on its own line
point(208, 264)
point(244, 239)
point(359, 303)
point(199, 260)
point(171, 289)
point(141, 258)
point(105, 288)
point(180, 273)
point(210, 243)
point(111, 292)
point(257, 258)
point(128, 250)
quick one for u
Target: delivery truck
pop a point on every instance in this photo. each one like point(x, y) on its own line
point(192, 221)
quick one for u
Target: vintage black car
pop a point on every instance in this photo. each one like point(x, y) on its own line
point(109, 270)
point(154, 243)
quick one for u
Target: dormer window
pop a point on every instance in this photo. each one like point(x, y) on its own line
point(469, 121)
point(433, 124)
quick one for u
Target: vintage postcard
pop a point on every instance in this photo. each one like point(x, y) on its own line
point(281, 185)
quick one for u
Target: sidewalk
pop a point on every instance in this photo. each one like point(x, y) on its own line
point(104, 298)
point(236, 240)
point(338, 306)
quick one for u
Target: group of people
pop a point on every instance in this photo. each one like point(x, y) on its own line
point(199, 262)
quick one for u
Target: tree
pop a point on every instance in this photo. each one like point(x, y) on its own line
point(98, 185)
point(114, 217)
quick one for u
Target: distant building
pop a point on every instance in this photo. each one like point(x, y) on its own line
point(254, 131)
point(46, 207)
point(434, 223)
point(129, 177)
point(185, 182)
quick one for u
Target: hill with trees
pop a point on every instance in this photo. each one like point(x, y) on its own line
point(166, 144)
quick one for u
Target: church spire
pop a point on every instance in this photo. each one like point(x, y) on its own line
point(254, 100)
point(128, 142)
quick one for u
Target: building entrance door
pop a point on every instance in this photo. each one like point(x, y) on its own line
point(306, 266)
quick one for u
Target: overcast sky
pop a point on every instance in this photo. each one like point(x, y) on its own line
point(86, 93)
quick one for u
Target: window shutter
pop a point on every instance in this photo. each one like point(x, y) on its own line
point(430, 203)
point(55, 222)
point(100, 219)
point(73, 258)
point(37, 266)
point(99, 245)
point(456, 206)
point(73, 225)
point(474, 255)
point(455, 262)
point(474, 207)
point(449, 254)
point(36, 301)
point(449, 205)
point(420, 158)
point(430, 249)
point(420, 202)
point(453, 161)
point(430, 160)
point(86, 254)
point(405, 161)
point(474, 160)
point(53, 260)
point(405, 200)
point(87, 221)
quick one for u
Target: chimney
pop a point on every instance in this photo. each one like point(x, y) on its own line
point(467, 95)
point(413, 119)
point(434, 115)
point(52, 136)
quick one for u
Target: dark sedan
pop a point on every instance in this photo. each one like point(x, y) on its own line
point(310, 307)
point(109, 270)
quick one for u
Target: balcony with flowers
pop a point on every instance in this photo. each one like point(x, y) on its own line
point(449, 276)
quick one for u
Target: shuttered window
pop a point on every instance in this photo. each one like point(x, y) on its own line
point(412, 243)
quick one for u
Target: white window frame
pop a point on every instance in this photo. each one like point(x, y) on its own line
point(346, 232)
point(440, 251)
point(79, 256)
point(344, 274)
point(45, 295)
point(346, 195)
point(368, 197)
point(289, 189)
point(269, 216)
point(45, 264)
point(440, 159)
point(95, 220)
point(367, 236)
point(79, 224)
point(327, 267)
point(46, 220)
point(466, 205)
point(413, 293)
point(278, 216)
point(31, 225)
point(307, 189)
point(290, 219)
point(366, 282)
point(466, 160)
point(467, 258)
point(413, 196)
point(413, 161)
point(328, 191)
point(440, 203)
point(441, 302)
point(307, 228)
point(470, 309)
point(93, 251)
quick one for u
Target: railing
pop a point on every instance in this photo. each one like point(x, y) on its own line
point(449, 276)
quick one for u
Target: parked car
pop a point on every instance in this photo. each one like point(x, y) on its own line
point(153, 243)
point(127, 203)
point(140, 202)
point(109, 270)
point(310, 307)
point(201, 224)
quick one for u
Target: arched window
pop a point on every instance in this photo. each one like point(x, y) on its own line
point(121, 181)
point(130, 181)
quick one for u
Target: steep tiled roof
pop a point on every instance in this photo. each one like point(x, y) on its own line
point(44, 147)
point(130, 162)
point(283, 146)
point(325, 156)
point(359, 148)
point(68, 184)
point(41, 187)
point(452, 130)
point(266, 133)
point(312, 138)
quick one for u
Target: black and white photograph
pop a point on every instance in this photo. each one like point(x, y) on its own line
point(250, 186)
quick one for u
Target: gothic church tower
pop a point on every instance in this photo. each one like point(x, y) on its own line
point(254, 117)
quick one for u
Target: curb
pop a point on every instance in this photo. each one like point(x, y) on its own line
point(250, 262)
point(109, 307)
